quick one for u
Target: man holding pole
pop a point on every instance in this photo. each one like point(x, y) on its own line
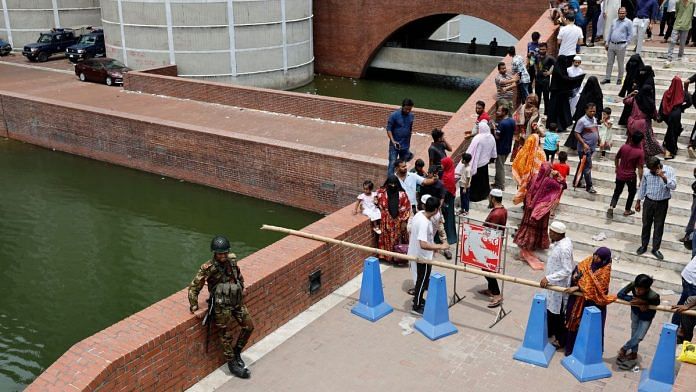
point(559, 267)
point(421, 244)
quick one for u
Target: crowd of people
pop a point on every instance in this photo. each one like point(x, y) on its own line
point(414, 211)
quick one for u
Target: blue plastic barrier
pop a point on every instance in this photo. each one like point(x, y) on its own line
point(660, 377)
point(585, 363)
point(435, 323)
point(536, 348)
point(371, 305)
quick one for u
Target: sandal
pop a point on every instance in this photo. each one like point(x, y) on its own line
point(628, 213)
point(485, 292)
point(411, 291)
point(495, 304)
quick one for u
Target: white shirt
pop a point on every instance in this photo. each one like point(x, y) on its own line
point(569, 36)
point(409, 184)
point(369, 208)
point(689, 272)
point(559, 267)
point(421, 230)
point(671, 5)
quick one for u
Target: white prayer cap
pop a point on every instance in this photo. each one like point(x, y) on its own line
point(577, 58)
point(557, 227)
point(495, 192)
point(425, 198)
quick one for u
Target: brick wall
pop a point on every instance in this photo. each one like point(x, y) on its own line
point(298, 104)
point(167, 70)
point(162, 347)
point(288, 173)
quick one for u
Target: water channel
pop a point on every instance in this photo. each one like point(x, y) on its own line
point(84, 244)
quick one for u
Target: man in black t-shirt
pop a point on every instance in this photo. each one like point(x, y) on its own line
point(438, 150)
point(543, 65)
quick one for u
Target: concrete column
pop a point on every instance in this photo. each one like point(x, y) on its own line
point(56, 17)
point(6, 15)
point(285, 35)
point(123, 34)
point(170, 34)
point(233, 44)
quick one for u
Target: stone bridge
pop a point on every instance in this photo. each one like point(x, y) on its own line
point(349, 33)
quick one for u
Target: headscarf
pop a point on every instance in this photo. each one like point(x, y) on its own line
point(633, 66)
point(527, 110)
point(646, 100)
point(482, 148)
point(591, 93)
point(646, 75)
point(448, 175)
point(393, 187)
point(594, 284)
point(604, 255)
point(526, 165)
point(673, 97)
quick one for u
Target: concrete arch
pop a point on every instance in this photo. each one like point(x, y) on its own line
point(348, 33)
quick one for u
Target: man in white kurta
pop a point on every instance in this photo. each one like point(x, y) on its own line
point(559, 267)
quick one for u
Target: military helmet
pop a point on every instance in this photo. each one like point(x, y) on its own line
point(220, 244)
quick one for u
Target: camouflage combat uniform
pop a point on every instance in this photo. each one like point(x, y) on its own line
point(229, 306)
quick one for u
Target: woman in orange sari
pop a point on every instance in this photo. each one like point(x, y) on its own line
point(524, 116)
point(527, 163)
point(591, 277)
point(396, 209)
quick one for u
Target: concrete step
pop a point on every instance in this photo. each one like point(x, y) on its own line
point(616, 104)
point(663, 76)
point(648, 53)
point(625, 266)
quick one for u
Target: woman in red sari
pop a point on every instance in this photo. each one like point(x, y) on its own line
point(395, 207)
point(543, 193)
point(591, 277)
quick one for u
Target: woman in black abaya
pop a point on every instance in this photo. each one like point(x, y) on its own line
point(559, 103)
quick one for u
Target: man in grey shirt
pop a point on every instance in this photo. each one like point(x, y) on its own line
point(620, 34)
point(587, 135)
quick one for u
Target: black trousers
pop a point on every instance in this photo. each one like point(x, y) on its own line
point(422, 278)
point(618, 189)
point(667, 19)
point(654, 212)
point(556, 326)
point(542, 90)
point(493, 286)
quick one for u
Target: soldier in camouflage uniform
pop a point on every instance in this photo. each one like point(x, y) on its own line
point(226, 287)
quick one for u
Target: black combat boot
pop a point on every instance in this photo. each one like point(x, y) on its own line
point(237, 370)
point(238, 357)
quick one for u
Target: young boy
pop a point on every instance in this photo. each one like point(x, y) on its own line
point(551, 143)
point(561, 166)
point(641, 296)
point(606, 132)
point(464, 183)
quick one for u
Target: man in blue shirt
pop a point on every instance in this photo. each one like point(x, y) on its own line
point(587, 135)
point(656, 188)
point(504, 132)
point(646, 10)
point(399, 129)
point(620, 34)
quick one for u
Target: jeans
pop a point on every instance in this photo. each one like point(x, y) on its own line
point(631, 185)
point(587, 170)
point(618, 52)
point(677, 35)
point(592, 14)
point(395, 154)
point(500, 171)
point(688, 290)
point(653, 212)
point(523, 88)
point(464, 199)
point(639, 27)
point(639, 328)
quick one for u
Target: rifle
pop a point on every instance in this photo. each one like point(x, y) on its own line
point(209, 318)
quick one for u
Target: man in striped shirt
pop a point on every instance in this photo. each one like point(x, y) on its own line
point(656, 189)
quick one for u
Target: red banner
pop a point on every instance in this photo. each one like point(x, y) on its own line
point(480, 246)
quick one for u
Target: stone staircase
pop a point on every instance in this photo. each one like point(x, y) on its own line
point(585, 214)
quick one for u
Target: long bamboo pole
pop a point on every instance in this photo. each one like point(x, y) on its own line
point(458, 267)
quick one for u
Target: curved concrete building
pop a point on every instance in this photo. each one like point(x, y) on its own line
point(263, 43)
point(21, 21)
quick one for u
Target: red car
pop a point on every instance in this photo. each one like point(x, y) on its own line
point(103, 70)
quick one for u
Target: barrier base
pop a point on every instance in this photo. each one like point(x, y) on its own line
point(371, 313)
point(535, 357)
point(584, 372)
point(434, 332)
point(649, 385)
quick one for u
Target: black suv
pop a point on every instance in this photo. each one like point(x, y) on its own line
point(90, 45)
point(5, 48)
point(50, 43)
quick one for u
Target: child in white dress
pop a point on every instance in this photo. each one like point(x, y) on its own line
point(366, 202)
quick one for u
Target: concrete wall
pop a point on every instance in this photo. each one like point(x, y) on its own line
point(265, 43)
point(27, 18)
point(298, 104)
point(435, 62)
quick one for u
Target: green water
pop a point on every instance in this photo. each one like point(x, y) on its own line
point(391, 87)
point(84, 244)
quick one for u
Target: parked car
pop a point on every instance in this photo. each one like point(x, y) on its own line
point(5, 47)
point(49, 43)
point(103, 70)
point(90, 45)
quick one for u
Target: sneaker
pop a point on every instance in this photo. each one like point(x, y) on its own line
point(641, 250)
point(610, 213)
point(657, 254)
point(605, 81)
point(417, 310)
